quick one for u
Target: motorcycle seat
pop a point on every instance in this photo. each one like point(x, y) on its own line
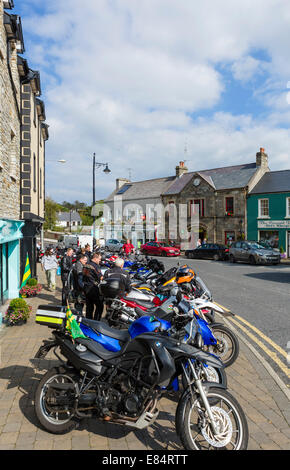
point(99, 350)
point(104, 329)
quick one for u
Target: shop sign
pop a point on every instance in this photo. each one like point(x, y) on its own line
point(274, 224)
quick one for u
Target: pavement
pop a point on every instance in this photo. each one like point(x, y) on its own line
point(255, 385)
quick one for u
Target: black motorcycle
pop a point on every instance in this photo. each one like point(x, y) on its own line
point(125, 388)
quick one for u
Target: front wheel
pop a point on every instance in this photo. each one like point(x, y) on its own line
point(54, 400)
point(227, 347)
point(194, 428)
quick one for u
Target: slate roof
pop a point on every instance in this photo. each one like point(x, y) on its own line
point(65, 217)
point(144, 189)
point(273, 182)
point(229, 177)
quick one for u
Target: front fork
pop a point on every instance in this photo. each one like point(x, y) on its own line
point(198, 384)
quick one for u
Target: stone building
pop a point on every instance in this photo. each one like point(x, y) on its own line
point(220, 197)
point(23, 134)
point(11, 43)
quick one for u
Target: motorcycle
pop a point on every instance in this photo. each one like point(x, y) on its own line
point(125, 387)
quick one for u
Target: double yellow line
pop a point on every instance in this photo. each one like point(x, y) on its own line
point(256, 339)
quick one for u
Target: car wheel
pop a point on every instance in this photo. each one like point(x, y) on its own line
point(232, 259)
point(164, 254)
point(216, 257)
point(252, 260)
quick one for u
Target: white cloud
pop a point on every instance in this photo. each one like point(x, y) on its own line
point(124, 79)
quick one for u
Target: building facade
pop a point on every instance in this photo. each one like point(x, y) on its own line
point(217, 196)
point(11, 43)
point(269, 211)
point(69, 220)
point(23, 134)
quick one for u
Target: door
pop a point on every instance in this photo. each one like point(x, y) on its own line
point(288, 245)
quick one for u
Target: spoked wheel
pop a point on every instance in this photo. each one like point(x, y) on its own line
point(209, 374)
point(54, 406)
point(227, 347)
point(195, 430)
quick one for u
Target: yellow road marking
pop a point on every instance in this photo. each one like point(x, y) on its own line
point(259, 332)
point(271, 354)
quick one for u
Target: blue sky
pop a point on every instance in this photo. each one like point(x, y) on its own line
point(137, 82)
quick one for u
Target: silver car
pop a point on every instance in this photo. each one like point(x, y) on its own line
point(253, 253)
point(114, 245)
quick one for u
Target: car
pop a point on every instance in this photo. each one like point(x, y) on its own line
point(159, 249)
point(253, 252)
point(114, 245)
point(209, 251)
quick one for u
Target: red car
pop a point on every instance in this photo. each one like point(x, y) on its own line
point(159, 249)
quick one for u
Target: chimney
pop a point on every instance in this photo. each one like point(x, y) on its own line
point(262, 158)
point(120, 182)
point(181, 169)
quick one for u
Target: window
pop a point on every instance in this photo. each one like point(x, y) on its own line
point(229, 206)
point(287, 206)
point(263, 207)
point(34, 173)
point(40, 183)
point(196, 202)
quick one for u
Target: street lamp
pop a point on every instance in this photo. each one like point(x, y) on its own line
point(107, 171)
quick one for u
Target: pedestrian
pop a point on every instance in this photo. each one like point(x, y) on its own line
point(88, 251)
point(128, 248)
point(198, 243)
point(204, 241)
point(49, 264)
point(78, 283)
point(66, 266)
point(92, 276)
point(117, 272)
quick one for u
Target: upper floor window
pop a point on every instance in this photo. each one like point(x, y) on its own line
point(263, 207)
point(229, 206)
point(192, 207)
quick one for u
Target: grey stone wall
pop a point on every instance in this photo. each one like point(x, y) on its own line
point(9, 129)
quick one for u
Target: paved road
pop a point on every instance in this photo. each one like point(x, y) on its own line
point(259, 296)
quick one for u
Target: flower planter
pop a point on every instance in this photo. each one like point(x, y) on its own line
point(17, 313)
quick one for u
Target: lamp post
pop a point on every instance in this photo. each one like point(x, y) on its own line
point(107, 171)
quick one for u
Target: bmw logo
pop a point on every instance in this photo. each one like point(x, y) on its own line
point(158, 344)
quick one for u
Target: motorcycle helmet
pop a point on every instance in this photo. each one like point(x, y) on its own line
point(185, 274)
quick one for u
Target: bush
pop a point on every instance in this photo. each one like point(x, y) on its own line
point(17, 312)
point(32, 282)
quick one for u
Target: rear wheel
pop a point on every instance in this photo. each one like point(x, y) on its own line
point(216, 257)
point(252, 260)
point(54, 407)
point(232, 258)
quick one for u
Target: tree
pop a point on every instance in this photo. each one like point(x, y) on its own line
point(51, 210)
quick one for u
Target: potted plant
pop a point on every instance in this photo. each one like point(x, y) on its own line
point(31, 289)
point(18, 312)
point(282, 252)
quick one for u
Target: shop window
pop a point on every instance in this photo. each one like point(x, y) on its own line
point(229, 206)
point(269, 238)
point(229, 238)
point(263, 207)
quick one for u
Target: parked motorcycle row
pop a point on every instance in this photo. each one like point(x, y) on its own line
point(158, 338)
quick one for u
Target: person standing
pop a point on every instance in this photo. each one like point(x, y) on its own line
point(79, 283)
point(88, 251)
point(117, 272)
point(49, 264)
point(66, 266)
point(128, 248)
point(92, 276)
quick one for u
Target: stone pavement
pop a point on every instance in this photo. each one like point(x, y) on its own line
point(265, 404)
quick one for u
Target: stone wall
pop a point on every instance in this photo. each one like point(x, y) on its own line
point(9, 128)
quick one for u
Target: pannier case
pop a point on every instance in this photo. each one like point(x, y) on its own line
point(51, 315)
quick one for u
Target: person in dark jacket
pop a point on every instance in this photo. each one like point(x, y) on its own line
point(117, 272)
point(66, 266)
point(88, 251)
point(92, 276)
point(78, 283)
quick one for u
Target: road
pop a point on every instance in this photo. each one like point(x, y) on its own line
point(260, 298)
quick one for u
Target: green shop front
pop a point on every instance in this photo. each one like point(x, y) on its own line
point(268, 209)
point(10, 235)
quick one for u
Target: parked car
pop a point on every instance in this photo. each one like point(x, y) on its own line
point(114, 245)
point(253, 252)
point(209, 251)
point(159, 249)
point(68, 241)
